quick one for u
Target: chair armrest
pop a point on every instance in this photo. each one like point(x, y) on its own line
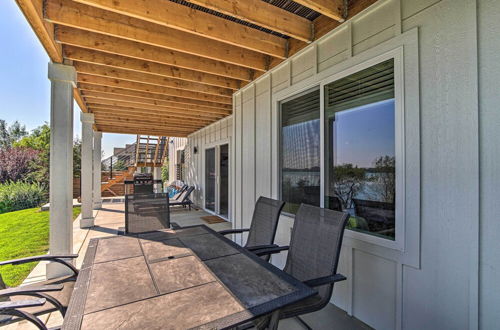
point(233, 231)
point(59, 258)
point(5, 305)
point(20, 290)
point(38, 258)
point(325, 280)
point(260, 247)
point(272, 250)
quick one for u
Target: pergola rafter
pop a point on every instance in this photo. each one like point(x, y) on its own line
point(175, 61)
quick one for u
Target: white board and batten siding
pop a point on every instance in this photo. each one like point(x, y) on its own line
point(445, 273)
point(214, 134)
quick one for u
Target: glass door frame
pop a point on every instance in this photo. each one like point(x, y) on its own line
point(217, 146)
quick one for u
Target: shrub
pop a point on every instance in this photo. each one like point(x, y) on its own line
point(15, 163)
point(20, 195)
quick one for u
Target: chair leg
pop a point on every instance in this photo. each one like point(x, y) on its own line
point(303, 323)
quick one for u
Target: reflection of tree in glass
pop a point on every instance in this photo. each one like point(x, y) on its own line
point(349, 180)
point(385, 187)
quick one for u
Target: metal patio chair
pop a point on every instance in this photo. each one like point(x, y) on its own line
point(146, 212)
point(313, 257)
point(263, 227)
point(185, 199)
point(27, 302)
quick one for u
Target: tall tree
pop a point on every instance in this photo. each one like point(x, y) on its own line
point(9, 135)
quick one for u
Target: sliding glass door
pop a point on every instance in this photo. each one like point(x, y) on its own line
point(210, 179)
point(217, 179)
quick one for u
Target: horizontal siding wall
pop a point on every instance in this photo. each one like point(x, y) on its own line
point(385, 291)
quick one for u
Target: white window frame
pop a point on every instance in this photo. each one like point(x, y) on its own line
point(400, 223)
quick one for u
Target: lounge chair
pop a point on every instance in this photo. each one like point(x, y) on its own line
point(263, 226)
point(183, 199)
point(179, 193)
point(313, 257)
point(27, 302)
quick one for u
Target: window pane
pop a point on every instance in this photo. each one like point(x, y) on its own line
point(360, 149)
point(300, 151)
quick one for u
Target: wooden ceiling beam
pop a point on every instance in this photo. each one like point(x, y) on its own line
point(123, 62)
point(330, 8)
point(130, 85)
point(151, 96)
point(118, 46)
point(152, 110)
point(263, 14)
point(146, 78)
point(134, 113)
point(168, 104)
point(197, 22)
point(135, 130)
point(33, 11)
point(133, 121)
point(72, 14)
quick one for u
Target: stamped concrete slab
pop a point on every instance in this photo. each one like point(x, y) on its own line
point(179, 310)
point(117, 248)
point(178, 274)
point(118, 282)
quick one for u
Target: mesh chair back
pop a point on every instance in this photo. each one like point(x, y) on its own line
point(264, 221)
point(146, 212)
point(315, 246)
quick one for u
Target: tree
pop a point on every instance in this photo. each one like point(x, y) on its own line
point(385, 167)
point(9, 135)
point(119, 165)
point(39, 139)
point(349, 180)
point(15, 163)
point(164, 172)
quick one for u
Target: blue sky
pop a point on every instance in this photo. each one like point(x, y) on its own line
point(24, 87)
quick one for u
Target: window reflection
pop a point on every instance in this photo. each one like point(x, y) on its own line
point(360, 149)
point(300, 151)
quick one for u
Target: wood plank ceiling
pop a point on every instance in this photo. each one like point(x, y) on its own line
point(170, 67)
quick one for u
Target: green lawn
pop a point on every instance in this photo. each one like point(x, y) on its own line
point(23, 233)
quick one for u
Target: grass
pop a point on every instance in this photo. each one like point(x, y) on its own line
point(23, 233)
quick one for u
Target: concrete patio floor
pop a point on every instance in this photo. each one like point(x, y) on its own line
point(111, 217)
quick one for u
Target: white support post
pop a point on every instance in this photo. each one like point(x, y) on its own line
point(63, 79)
point(157, 176)
point(87, 178)
point(97, 170)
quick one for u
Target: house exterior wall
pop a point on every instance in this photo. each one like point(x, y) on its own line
point(175, 144)
point(217, 133)
point(445, 275)
point(489, 138)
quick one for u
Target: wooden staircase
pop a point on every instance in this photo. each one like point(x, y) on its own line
point(151, 151)
point(119, 178)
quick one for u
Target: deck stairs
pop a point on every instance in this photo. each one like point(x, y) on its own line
point(119, 178)
point(151, 151)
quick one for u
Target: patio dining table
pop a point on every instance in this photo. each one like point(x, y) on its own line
point(188, 278)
